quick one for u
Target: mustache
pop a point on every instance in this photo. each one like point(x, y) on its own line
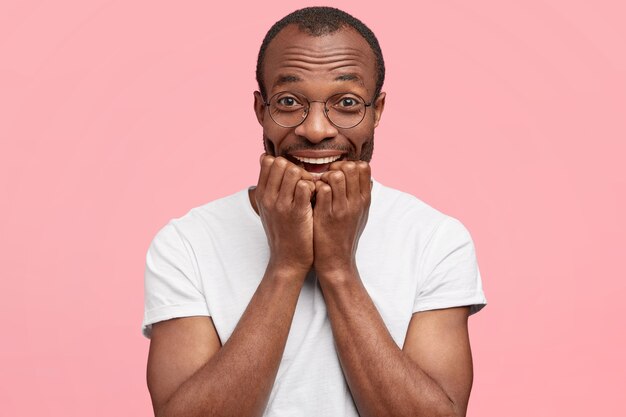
point(303, 144)
point(310, 147)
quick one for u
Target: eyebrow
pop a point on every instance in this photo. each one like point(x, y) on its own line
point(286, 79)
point(350, 77)
point(290, 78)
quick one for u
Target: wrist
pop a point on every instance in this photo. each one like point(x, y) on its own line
point(283, 269)
point(336, 272)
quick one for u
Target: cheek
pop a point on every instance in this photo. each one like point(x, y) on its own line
point(273, 138)
point(363, 143)
point(360, 138)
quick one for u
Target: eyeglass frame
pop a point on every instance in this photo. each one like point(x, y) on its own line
point(267, 105)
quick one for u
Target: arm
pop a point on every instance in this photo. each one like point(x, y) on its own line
point(188, 373)
point(432, 375)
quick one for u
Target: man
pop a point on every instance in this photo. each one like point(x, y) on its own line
point(319, 292)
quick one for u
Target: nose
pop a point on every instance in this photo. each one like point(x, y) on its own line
point(316, 127)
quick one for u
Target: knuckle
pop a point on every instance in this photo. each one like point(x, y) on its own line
point(336, 176)
point(349, 167)
point(302, 185)
point(340, 213)
point(266, 201)
point(363, 166)
point(267, 161)
point(281, 162)
point(293, 171)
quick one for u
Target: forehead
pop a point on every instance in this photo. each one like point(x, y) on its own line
point(299, 58)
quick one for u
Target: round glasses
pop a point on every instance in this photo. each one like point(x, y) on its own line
point(344, 110)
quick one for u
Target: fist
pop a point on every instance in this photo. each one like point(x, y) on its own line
point(343, 196)
point(283, 199)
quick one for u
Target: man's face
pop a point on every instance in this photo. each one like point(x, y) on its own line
point(318, 67)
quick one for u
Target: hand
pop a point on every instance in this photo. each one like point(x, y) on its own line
point(283, 198)
point(343, 196)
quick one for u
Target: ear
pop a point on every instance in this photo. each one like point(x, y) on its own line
point(379, 106)
point(259, 107)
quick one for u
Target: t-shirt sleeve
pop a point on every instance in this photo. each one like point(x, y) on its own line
point(450, 274)
point(171, 285)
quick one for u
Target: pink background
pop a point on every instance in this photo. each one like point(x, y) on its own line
point(116, 116)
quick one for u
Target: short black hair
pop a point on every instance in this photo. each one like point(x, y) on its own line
point(318, 21)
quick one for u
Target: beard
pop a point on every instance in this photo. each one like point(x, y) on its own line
point(367, 149)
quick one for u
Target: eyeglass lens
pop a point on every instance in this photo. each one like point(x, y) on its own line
point(344, 110)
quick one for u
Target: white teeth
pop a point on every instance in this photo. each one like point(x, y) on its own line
point(326, 160)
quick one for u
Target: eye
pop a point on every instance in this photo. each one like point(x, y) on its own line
point(347, 102)
point(287, 101)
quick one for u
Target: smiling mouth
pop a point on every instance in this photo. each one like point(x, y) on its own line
point(315, 165)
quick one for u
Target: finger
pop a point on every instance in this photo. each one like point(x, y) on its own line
point(288, 185)
point(323, 197)
point(305, 175)
point(335, 166)
point(266, 163)
point(365, 178)
point(303, 193)
point(337, 181)
point(351, 173)
point(276, 176)
point(311, 185)
point(326, 175)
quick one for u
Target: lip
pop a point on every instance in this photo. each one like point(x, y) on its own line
point(317, 154)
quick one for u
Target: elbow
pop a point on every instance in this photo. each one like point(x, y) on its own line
point(451, 410)
point(448, 413)
point(159, 412)
point(446, 409)
point(441, 411)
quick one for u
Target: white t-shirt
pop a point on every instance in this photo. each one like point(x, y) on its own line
point(209, 262)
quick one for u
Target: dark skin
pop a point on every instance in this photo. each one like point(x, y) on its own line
point(190, 373)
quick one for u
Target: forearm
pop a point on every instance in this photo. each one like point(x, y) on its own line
point(237, 380)
point(383, 380)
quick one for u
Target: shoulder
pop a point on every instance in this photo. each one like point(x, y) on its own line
point(393, 209)
point(398, 206)
point(213, 216)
